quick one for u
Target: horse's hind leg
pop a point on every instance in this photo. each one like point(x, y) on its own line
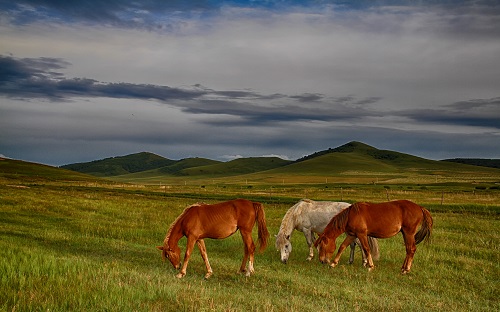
point(353, 249)
point(249, 253)
point(363, 239)
point(203, 251)
point(411, 248)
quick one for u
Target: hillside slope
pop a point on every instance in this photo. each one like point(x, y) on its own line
point(482, 162)
point(27, 172)
point(358, 162)
point(354, 162)
point(238, 166)
point(120, 165)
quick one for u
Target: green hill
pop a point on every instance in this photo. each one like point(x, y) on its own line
point(354, 162)
point(492, 163)
point(174, 169)
point(186, 164)
point(121, 165)
point(205, 168)
point(26, 172)
point(361, 163)
point(238, 166)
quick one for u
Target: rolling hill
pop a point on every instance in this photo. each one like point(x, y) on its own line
point(365, 163)
point(354, 162)
point(28, 172)
point(492, 163)
point(121, 165)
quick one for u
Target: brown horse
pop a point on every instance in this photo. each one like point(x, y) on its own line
point(383, 220)
point(216, 221)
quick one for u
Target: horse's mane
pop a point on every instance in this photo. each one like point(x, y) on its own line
point(183, 213)
point(355, 206)
point(288, 221)
point(339, 222)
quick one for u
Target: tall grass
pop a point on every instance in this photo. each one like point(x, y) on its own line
point(82, 248)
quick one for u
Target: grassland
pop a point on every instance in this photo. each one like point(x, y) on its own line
point(80, 244)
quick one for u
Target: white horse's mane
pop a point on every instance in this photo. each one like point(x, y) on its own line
point(288, 222)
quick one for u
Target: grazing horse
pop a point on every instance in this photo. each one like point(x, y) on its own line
point(215, 221)
point(309, 217)
point(381, 220)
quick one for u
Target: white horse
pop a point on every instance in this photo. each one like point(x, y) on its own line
point(311, 217)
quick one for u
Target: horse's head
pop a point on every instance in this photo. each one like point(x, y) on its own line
point(326, 247)
point(284, 246)
point(173, 255)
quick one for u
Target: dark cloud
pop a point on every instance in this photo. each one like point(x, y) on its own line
point(37, 78)
point(42, 78)
point(474, 104)
point(308, 97)
point(476, 112)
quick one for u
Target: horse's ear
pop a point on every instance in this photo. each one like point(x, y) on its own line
point(159, 247)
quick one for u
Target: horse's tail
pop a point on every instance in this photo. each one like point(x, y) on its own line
point(426, 228)
point(374, 250)
point(261, 220)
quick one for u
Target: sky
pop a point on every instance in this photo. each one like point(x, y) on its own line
point(84, 80)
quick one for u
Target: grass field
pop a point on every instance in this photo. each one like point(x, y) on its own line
point(81, 246)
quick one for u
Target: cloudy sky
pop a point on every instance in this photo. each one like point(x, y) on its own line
point(84, 80)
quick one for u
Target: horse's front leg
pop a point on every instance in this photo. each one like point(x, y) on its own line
point(203, 251)
point(310, 241)
point(187, 255)
point(249, 253)
point(347, 241)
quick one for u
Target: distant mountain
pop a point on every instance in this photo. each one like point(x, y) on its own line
point(359, 148)
point(148, 164)
point(239, 166)
point(353, 161)
point(356, 156)
point(121, 164)
point(28, 172)
point(178, 167)
point(492, 163)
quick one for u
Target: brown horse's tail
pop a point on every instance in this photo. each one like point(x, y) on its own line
point(426, 228)
point(261, 220)
point(374, 250)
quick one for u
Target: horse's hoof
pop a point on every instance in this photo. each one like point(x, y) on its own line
point(403, 271)
point(207, 276)
point(332, 265)
point(180, 275)
point(309, 258)
point(370, 269)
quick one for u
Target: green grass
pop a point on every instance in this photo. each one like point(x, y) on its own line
point(73, 246)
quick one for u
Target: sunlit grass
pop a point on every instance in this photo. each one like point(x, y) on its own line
point(79, 248)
